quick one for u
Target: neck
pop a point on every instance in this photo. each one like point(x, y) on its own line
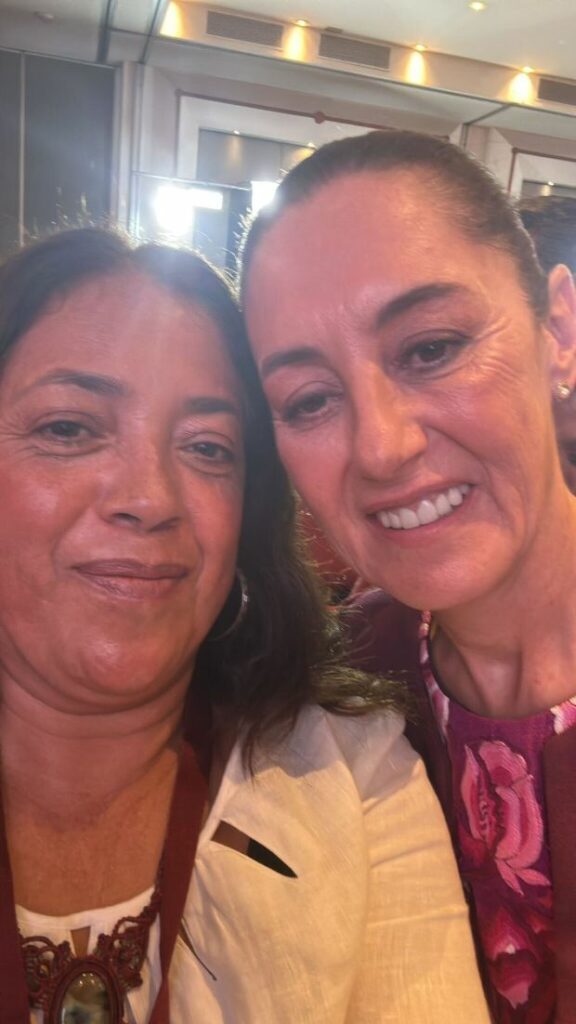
point(86, 763)
point(512, 653)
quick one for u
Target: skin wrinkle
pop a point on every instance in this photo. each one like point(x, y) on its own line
point(483, 418)
point(74, 669)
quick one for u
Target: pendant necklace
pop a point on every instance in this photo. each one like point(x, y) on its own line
point(37, 973)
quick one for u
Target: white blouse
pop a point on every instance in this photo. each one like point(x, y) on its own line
point(373, 928)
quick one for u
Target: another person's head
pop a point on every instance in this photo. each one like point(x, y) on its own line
point(410, 348)
point(138, 472)
point(551, 223)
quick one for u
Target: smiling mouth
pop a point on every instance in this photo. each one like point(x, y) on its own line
point(424, 512)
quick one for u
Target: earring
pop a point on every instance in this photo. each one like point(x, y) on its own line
point(562, 391)
point(225, 624)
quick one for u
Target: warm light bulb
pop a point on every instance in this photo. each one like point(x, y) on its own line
point(302, 23)
point(527, 69)
point(420, 47)
point(477, 5)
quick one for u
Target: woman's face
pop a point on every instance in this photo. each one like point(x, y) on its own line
point(410, 386)
point(121, 474)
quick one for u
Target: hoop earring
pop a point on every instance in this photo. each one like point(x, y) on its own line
point(223, 627)
point(562, 391)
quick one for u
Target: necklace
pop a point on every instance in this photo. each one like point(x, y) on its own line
point(66, 986)
point(48, 975)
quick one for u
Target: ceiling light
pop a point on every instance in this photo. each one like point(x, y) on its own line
point(302, 23)
point(477, 5)
point(527, 69)
point(236, 132)
point(420, 47)
point(550, 184)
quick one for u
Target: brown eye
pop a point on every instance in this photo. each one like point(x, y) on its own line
point(65, 430)
point(212, 451)
point(431, 353)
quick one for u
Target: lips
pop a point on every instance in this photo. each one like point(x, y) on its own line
point(132, 580)
point(131, 569)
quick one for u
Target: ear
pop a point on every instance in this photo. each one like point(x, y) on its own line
point(561, 327)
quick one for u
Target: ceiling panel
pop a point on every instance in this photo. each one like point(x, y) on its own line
point(134, 15)
point(515, 33)
point(72, 31)
point(535, 122)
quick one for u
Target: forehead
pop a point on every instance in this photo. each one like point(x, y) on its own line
point(127, 321)
point(366, 236)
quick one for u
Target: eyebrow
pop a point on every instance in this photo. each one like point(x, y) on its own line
point(94, 382)
point(416, 297)
point(307, 355)
point(110, 387)
point(290, 357)
point(207, 405)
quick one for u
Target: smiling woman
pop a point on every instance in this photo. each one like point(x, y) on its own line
point(199, 813)
point(411, 350)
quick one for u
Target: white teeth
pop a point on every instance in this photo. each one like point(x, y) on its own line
point(427, 511)
point(408, 518)
point(443, 506)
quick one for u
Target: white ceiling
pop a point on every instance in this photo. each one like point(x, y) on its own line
point(541, 33)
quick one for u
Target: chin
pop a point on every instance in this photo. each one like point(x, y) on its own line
point(130, 676)
point(440, 588)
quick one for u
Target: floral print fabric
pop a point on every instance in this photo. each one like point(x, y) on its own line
point(498, 795)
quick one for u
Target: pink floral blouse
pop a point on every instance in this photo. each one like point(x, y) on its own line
point(498, 794)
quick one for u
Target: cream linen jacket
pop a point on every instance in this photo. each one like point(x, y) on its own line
point(373, 928)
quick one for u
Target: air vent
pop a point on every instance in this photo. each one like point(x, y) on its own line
point(354, 51)
point(245, 30)
point(557, 92)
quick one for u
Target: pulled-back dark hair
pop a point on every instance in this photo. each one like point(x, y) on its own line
point(284, 654)
point(466, 188)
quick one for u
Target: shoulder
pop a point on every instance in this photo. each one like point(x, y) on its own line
point(369, 750)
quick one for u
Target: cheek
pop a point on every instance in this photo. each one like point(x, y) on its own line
point(34, 504)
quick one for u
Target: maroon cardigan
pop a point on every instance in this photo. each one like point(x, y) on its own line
point(384, 639)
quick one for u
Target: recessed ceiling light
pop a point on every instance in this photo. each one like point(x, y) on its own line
point(236, 131)
point(550, 184)
point(527, 69)
point(477, 5)
point(44, 15)
point(302, 23)
point(420, 47)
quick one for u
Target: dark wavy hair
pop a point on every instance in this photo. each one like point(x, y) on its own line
point(285, 652)
point(467, 192)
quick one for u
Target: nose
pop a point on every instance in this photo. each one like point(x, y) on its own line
point(388, 433)
point(143, 492)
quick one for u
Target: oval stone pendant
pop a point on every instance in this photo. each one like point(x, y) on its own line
point(87, 994)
